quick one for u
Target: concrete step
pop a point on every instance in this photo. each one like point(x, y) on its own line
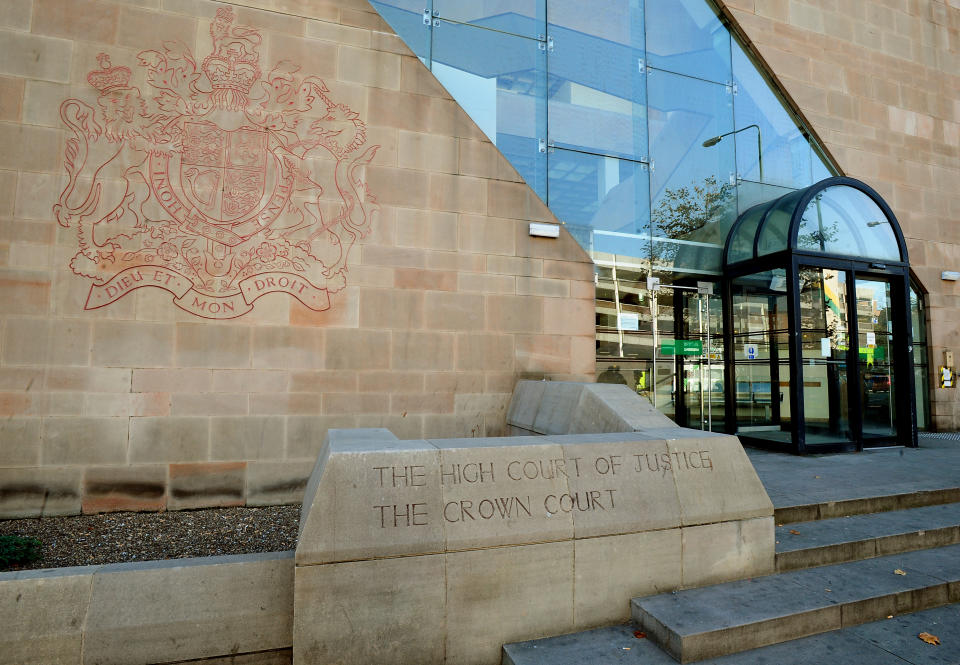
point(824, 542)
point(884, 642)
point(822, 510)
point(709, 622)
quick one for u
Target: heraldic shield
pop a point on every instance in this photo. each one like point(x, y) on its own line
point(219, 199)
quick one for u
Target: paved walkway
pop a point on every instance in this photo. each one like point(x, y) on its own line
point(791, 480)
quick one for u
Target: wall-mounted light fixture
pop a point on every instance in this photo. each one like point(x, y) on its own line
point(544, 230)
point(950, 275)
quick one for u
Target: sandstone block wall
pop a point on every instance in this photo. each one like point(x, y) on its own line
point(368, 241)
point(878, 81)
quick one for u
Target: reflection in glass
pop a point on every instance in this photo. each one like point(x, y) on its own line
point(921, 364)
point(844, 220)
point(500, 80)
point(875, 359)
point(761, 356)
point(825, 347)
point(597, 87)
point(786, 152)
point(607, 198)
point(526, 18)
point(687, 37)
point(693, 198)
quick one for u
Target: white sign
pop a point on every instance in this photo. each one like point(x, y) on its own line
point(653, 283)
point(751, 351)
point(871, 340)
point(825, 347)
point(705, 288)
point(628, 321)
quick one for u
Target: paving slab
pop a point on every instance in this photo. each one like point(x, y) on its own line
point(919, 475)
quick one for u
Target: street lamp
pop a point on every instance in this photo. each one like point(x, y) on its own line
point(709, 143)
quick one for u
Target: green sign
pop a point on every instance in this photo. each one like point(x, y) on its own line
point(681, 347)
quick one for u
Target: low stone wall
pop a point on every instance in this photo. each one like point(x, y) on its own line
point(235, 609)
point(440, 551)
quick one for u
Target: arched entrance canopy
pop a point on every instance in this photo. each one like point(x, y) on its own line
point(819, 342)
point(839, 216)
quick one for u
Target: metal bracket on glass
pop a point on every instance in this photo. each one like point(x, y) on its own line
point(429, 17)
point(641, 65)
point(652, 166)
point(733, 178)
point(542, 145)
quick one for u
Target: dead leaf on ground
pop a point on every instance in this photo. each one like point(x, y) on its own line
point(899, 572)
point(794, 532)
point(929, 639)
point(639, 634)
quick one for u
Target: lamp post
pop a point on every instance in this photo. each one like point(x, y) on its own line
point(709, 143)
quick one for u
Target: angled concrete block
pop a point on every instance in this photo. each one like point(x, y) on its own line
point(557, 407)
point(620, 486)
point(715, 479)
point(496, 494)
point(369, 498)
point(525, 403)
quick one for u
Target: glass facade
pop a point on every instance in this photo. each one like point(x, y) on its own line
point(649, 130)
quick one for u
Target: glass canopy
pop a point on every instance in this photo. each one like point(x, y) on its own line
point(835, 217)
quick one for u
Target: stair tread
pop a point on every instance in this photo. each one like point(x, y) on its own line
point(821, 533)
point(724, 606)
point(884, 642)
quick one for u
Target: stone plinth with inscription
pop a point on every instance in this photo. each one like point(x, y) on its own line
point(440, 551)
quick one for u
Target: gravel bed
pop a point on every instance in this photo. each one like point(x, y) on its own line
point(83, 540)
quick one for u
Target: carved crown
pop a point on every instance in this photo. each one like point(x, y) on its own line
point(108, 78)
point(234, 63)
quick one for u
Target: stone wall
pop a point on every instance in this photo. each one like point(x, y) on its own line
point(241, 225)
point(878, 81)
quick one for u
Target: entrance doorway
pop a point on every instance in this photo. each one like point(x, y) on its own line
point(821, 350)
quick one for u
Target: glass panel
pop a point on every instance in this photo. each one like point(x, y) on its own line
point(761, 356)
point(825, 347)
point(921, 381)
point(921, 369)
point(686, 37)
point(597, 86)
point(751, 193)
point(693, 200)
point(767, 129)
point(603, 195)
point(776, 226)
point(406, 18)
point(519, 17)
point(875, 347)
point(820, 170)
point(500, 80)
point(844, 220)
point(741, 244)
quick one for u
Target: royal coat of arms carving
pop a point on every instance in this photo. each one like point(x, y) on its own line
point(220, 186)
